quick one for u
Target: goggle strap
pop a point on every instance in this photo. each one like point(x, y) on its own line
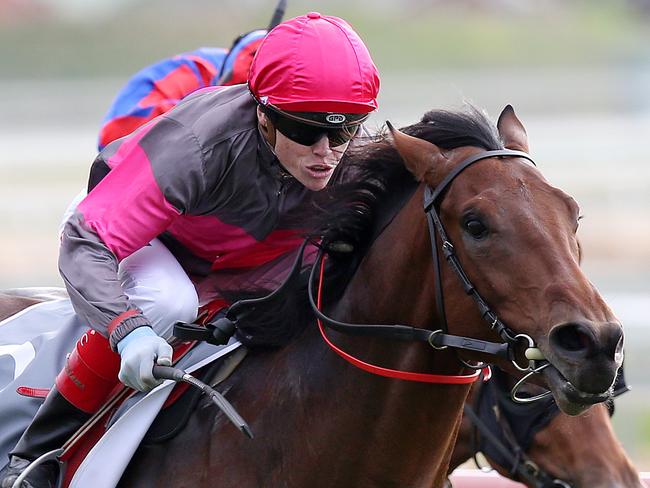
point(270, 109)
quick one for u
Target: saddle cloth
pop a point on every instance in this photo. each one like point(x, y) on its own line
point(131, 422)
point(33, 347)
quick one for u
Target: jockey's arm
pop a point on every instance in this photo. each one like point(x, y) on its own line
point(157, 175)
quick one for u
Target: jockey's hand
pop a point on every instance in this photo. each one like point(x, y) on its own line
point(139, 350)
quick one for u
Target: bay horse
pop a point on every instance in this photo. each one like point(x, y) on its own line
point(538, 445)
point(319, 422)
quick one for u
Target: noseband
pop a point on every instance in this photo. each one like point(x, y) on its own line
point(440, 339)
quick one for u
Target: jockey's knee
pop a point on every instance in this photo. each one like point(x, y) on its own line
point(174, 302)
point(155, 282)
point(166, 303)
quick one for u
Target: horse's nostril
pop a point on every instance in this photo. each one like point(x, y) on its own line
point(571, 337)
point(580, 340)
point(614, 341)
point(588, 353)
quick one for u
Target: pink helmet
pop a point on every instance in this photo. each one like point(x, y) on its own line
point(314, 63)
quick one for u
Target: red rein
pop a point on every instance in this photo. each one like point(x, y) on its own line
point(393, 373)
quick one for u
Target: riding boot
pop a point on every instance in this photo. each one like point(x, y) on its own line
point(54, 423)
point(81, 388)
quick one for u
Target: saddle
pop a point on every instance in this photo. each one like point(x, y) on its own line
point(150, 418)
point(127, 412)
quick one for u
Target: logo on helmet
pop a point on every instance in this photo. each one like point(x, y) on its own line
point(335, 118)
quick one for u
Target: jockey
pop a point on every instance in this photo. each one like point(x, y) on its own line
point(192, 203)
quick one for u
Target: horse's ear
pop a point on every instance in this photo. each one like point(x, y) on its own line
point(512, 131)
point(419, 155)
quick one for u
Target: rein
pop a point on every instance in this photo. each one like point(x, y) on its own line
point(438, 339)
point(378, 370)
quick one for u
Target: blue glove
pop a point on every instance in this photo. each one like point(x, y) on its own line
point(139, 350)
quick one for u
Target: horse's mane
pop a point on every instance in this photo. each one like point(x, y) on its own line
point(373, 172)
point(369, 183)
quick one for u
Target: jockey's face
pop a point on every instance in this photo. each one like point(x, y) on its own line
point(310, 165)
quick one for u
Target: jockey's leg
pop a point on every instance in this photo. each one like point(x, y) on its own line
point(156, 283)
point(90, 373)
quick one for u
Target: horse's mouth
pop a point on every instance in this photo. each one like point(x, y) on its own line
point(571, 400)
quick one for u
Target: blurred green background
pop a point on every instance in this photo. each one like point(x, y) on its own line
point(577, 72)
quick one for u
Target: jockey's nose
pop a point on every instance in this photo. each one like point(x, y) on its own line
point(322, 146)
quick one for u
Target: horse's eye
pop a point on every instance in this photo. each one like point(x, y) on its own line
point(475, 228)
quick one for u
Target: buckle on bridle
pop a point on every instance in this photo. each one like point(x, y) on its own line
point(430, 340)
point(448, 248)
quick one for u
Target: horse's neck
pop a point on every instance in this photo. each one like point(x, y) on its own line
point(394, 285)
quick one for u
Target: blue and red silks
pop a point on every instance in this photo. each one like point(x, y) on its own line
point(158, 88)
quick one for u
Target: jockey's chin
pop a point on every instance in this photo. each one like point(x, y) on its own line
point(313, 165)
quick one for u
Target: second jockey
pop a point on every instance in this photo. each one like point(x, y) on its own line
point(160, 87)
point(194, 202)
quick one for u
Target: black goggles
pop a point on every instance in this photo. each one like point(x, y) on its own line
point(306, 133)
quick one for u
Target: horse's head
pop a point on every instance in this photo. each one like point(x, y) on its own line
point(515, 236)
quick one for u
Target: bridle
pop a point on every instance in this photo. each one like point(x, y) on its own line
point(432, 200)
point(507, 429)
point(440, 338)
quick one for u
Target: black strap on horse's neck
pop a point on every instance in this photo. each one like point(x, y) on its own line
point(401, 332)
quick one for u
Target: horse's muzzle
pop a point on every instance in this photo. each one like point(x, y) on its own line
point(585, 356)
